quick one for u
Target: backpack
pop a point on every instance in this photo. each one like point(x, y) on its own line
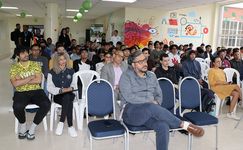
point(207, 100)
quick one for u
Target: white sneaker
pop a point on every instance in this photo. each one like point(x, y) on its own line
point(72, 132)
point(232, 115)
point(59, 128)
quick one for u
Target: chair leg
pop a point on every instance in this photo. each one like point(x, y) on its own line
point(76, 109)
point(16, 125)
point(125, 141)
point(91, 142)
point(216, 137)
point(221, 106)
point(52, 116)
point(128, 142)
point(218, 101)
point(81, 114)
point(45, 123)
point(189, 142)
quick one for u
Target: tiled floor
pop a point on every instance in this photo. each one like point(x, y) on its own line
point(229, 138)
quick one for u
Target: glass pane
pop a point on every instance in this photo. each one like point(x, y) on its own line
point(227, 24)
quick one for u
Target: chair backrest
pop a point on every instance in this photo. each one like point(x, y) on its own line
point(42, 81)
point(200, 59)
point(86, 76)
point(204, 70)
point(189, 94)
point(229, 72)
point(208, 61)
point(168, 92)
point(100, 99)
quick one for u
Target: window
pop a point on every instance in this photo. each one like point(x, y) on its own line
point(231, 33)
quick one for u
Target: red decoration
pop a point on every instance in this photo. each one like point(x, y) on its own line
point(205, 30)
point(173, 22)
point(136, 33)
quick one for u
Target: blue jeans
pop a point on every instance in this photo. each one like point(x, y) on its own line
point(154, 117)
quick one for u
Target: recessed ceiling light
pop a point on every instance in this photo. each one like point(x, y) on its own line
point(25, 15)
point(5, 7)
point(72, 10)
point(121, 1)
point(70, 17)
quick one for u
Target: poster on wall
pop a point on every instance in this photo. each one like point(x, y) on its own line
point(37, 32)
point(96, 32)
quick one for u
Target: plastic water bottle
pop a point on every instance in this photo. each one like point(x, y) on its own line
point(213, 111)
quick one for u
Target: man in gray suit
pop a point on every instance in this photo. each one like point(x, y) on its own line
point(113, 71)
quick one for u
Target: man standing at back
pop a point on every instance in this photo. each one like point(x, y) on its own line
point(15, 37)
point(115, 37)
point(141, 93)
point(26, 37)
point(26, 78)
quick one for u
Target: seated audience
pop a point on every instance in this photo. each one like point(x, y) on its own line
point(36, 56)
point(59, 50)
point(113, 71)
point(225, 63)
point(175, 59)
point(191, 67)
point(25, 76)
point(164, 70)
point(75, 53)
point(141, 93)
point(59, 83)
point(208, 52)
point(154, 55)
point(107, 59)
point(83, 63)
point(218, 83)
point(237, 62)
point(151, 63)
point(126, 52)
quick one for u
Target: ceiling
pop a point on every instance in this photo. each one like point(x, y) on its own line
point(100, 8)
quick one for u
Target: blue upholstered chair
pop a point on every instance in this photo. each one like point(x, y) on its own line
point(100, 103)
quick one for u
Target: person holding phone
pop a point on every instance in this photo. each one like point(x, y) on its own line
point(60, 84)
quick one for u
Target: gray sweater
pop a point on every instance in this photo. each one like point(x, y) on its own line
point(137, 90)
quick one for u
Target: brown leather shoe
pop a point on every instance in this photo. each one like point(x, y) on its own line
point(195, 130)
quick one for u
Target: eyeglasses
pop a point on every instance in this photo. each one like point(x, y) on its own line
point(120, 55)
point(140, 62)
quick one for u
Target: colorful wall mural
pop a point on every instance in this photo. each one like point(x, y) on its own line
point(136, 33)
point(185, 25)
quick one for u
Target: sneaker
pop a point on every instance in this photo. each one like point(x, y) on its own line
point(22, 135)
point(232, 115)
point(59, 128)
point(30, 136)
point(72, 132)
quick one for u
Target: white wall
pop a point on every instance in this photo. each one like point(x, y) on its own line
point(77, 29)
point(116, 18)
point(4, 39)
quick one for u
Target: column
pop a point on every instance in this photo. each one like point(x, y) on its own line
point(51, 21)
